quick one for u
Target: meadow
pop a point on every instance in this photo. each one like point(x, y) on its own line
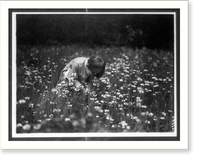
point(136, 93)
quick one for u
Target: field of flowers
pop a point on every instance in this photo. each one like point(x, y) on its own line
point(136, 93)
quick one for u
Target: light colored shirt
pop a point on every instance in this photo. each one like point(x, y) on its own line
point(78, 71)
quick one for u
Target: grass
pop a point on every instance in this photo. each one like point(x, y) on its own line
point(136, 93)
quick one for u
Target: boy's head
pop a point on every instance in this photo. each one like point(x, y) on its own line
point(96, 65)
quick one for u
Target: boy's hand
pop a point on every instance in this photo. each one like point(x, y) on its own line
point(85, 91)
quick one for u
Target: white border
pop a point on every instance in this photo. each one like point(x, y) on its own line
point(182, 144)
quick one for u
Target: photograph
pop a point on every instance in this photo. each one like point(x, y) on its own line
point(95, 71)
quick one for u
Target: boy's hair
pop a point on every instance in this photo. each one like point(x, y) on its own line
point(96, 65)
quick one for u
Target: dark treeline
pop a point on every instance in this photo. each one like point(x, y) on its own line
point(151, 31)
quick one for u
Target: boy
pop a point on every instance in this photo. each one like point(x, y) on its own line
point(82, 70)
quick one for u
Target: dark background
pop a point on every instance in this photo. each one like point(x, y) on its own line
point(136, 31)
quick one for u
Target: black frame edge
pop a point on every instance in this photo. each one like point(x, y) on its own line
point(177, 138)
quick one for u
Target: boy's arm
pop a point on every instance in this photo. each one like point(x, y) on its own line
point(70, 72)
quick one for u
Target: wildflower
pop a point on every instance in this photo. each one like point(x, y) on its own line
point(142, 84)
point(164, 114)
point(106, 110)
point(126, 71)
point(155, 86)
point(114, 97)
point(148, 90)
point(26, 127)
point(121, 109)
point(55, 110)
point(150, 114)
point(140, 89)
point(130, 103)
point(127, 75)
point(27, 98)
point(19, 125)
point(97, 102)
point(67, 119)
point(92, 99)
point(98, 108)
point(102, 101)
point(146, 83)
point(31, 105)
point(103, 81)
point(128, 115)
point(71, 84)
point(118, 93)
point(94, 94)
point(143, 113)
point(138, 99)
point(147, 113)
point(154, 118)
point(114, 126)
point(139, 79)
point(126, 104)
point(123, 123)
point(28, 73)
point(37, 126)
point(89, 114)
point(59, 85)
point(22, 101)
point(75, 123)
point(137, 120)
point(144, 106)
point(114, 102)
point(108, 117)
point(22, 116)
point(147, 122)
point(169, 79)
point(69, 106)
point(133, 86)
point(134, 117)
point(48, 119)
point(155, 78)
point(77, 88)
point(108, 73)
